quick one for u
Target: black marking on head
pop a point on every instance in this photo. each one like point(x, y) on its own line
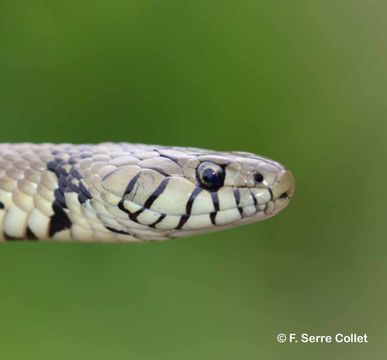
point(156, 193)
point(160, 219)
point(134, 216)
point(30, 235)
point(213, 217)
point(161, 171)
point(183, 220)
point(121, 206)
point(175, 160)
point(191, 199)
point(118, 231)
point(109, 174)
point(148, 203)
point(1, 205)
point(131, 184)
point(255, 200)
point(271, 193)
point(237, 196)
point(215, 201)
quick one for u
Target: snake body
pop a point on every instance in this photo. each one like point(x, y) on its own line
point(133, 192)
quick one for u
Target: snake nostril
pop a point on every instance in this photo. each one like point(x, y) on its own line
point(258, 177)
point(284, 195)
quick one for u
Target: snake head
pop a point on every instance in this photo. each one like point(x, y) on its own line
point(174, 192)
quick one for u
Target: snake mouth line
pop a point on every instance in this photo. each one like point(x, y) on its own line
point(220, 217)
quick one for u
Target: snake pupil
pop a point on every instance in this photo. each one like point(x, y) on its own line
point(210, 175)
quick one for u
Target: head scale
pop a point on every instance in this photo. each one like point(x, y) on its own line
point(172, 192)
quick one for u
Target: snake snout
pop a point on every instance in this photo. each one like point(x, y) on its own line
point(284, 187)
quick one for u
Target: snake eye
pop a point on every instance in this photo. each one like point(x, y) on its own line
point(210, 175)
point(258, 177)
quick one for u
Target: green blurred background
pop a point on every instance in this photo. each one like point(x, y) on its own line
point(303, 82)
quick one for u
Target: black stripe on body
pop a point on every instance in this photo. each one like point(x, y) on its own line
point(1, 205)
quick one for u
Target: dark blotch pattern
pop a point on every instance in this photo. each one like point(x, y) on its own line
point(68, 181)
point(30, 235)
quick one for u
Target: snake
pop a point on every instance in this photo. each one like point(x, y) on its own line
point(123, 192)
